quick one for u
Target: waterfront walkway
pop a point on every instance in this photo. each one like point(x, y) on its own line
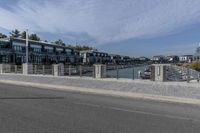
point(172, 89)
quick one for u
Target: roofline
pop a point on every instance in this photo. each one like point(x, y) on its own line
point(42, 42)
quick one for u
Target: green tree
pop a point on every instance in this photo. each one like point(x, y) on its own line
point(34, 37)
point(60, 42)
point(82, 48)
point(15, 33)
point(2, 35)
point(23, 35)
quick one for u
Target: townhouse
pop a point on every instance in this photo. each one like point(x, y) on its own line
point(13, 50)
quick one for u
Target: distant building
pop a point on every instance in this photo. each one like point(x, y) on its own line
point(186, 58)
point(143, 59)
point(115, 59)
point(119, 59)
point(125, 60)
point(158, 59)
point(94, 56)
point(13, 51)
point(172, 59)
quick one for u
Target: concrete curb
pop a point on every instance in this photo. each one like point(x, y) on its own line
point(107, 92)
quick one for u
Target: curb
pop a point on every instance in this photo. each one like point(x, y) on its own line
point(143, 96)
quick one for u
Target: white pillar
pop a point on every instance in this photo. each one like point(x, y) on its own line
point(25, 68)
point(25, 65)
point(55, 69)
point(159, 72)
point(99, 71)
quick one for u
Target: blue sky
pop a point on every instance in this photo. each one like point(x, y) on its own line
point(127, 27)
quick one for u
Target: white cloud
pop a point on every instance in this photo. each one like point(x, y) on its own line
point(105, 21)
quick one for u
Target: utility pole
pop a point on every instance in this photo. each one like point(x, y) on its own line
point(25, 67)
point(27, 46)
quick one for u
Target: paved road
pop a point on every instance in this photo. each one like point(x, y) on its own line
point(33, 110)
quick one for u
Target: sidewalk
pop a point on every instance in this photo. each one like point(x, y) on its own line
point(169, 90)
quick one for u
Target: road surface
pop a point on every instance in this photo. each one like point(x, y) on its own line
point(34, 110)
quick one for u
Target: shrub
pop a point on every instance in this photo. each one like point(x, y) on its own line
point(195, 66)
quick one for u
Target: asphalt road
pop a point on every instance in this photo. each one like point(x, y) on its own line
point(34, 110)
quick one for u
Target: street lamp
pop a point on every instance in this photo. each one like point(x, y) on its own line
point(27, 47)
point(25, 66)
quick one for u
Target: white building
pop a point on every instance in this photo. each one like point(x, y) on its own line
point(185, 58)
point(158, 59)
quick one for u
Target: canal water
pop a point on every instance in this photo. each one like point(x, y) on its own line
point(127, 72)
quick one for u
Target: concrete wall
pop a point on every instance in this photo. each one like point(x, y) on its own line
point(159, 72)
point(99, 71)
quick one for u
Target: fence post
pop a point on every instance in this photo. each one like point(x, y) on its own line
point(80, 71)
point(15, 68)
point(1, 68)
point(43, 69)
point(61, 69)
point(159, 72)
point(133, 73)
point(70, 70)
point(35, 69)
point(55, 69)
point(117, 72)
point(99, 71)
point(93, 72)
point(25, 68)
point(188, 75)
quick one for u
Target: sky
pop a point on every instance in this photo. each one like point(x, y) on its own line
point(126, 27)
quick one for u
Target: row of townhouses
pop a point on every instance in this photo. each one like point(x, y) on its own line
point(13, 50)
point(94, 56)
point(176, 59)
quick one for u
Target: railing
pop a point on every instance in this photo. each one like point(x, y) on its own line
point(177, 73)
point(72, 70)
point(174, 73)
point(8, 68)
point(124, 71)
point(40, 69)
point(85, 71)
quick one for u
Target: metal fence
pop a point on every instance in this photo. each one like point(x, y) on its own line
point(40, 69)
point(72, 71)
point(8, 68)
point(128, 72)
point(85, 71)
point(177, 73)
point(174, 73)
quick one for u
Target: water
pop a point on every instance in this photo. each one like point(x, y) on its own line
point(127, 72)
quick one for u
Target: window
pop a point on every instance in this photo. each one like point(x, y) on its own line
point(19, 48)
point(37, 50)
point(49, 49)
